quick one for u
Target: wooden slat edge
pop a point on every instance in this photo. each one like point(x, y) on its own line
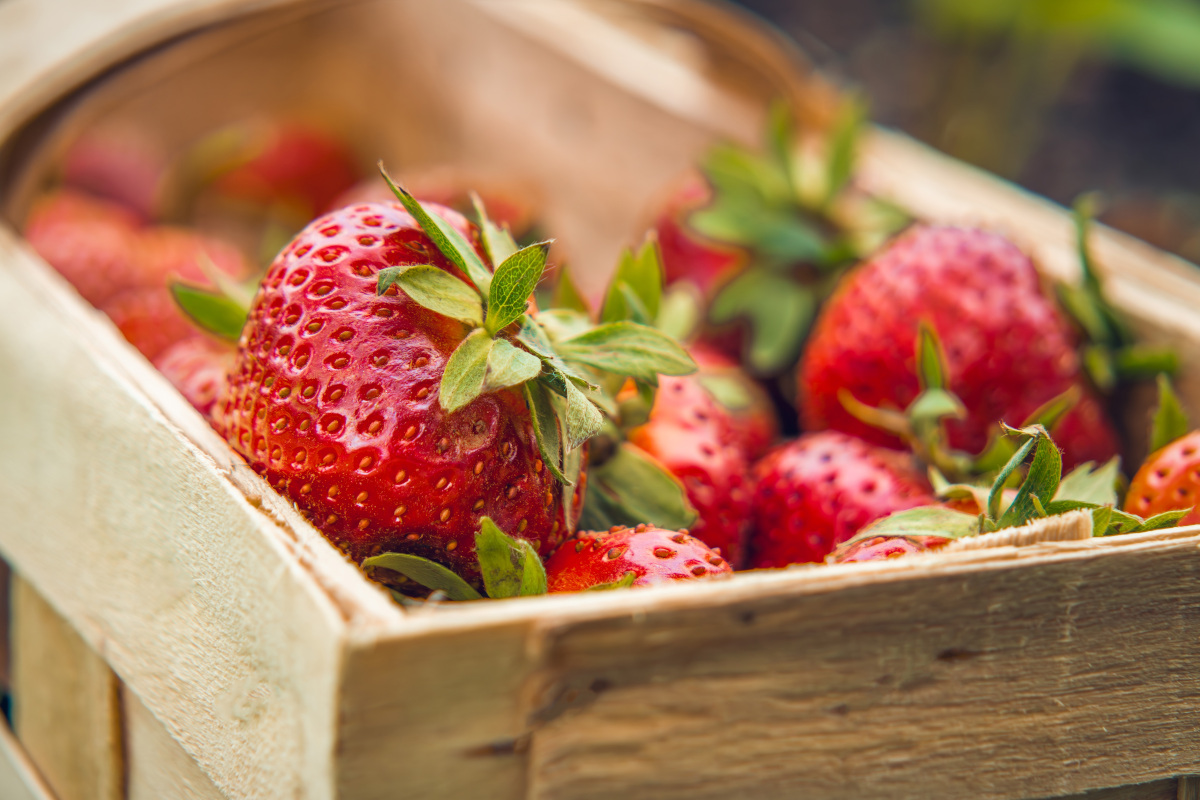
point(19, 778)
point(66, 707)
point(203, 606)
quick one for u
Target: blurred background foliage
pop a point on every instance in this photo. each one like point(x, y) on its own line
point(1062, 96)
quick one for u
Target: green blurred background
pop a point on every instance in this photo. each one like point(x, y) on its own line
point(1062, 96)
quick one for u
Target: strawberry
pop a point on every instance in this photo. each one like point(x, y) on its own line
point(691, 435)
point(198, 367)
point(688, 255)
point(119, 163)
point(760, 245)
point(334, 397)
point(878, 548)
point(510, 204)
point(749, 409)
point(817, 491)
point(1008, 350)
point(622, 556)
point(285, 164)
point(1044, 492)
point(147, 314)
point(1168, 480)
point(370, 388)
point(93, 243)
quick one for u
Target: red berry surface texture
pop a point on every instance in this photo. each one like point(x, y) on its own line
point(1168, 481)
point(334, 397)
point(640, 556)
point(1008, 349)
point(816, 492)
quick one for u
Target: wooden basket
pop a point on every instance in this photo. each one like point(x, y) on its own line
point(181, 632)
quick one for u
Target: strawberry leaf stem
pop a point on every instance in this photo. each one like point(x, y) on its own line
point(448, 240)
point(1170, 421)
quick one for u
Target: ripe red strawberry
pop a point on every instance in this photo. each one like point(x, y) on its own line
point(1168, 480)
point(641, 556)
point(334, 397)
point(120, 163)
point(688, 255)
point(509, 204)
point(691, 435)
point(198, 367)
point(817, 491)
point(879, 548)
point(291, 164)
point(750, 410)
point(147, 314)
point(1007, 348)
point(93, 243)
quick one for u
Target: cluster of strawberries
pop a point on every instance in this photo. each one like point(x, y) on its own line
point(403, 373)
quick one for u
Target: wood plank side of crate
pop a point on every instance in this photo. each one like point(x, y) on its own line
point(66, 704)
point(19, 778)
point(184, 572)
point(1048, 670)
point(159, 767)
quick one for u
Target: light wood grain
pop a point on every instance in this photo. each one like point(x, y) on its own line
point(204, 595)
point(260, 664)
point(65, 703)
point(159, 767)
point(19, 778)
point(1007, 680)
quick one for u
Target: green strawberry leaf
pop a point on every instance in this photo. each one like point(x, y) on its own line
point(730, 391)
point(436, 290)
point(545, 429)
point(778, 309)
point(497, 241)
point(466, 370)
point(1136, 362)
point(1170, 421)
point(534, 337)
point(922, 521)
point(781, 139)
point(1040, 483)
point(510, 566)
point(509, 366)
point(572, 469)
point(636, 285)
point(512, 285)
point(567, 296)
point(931, 362)
point(216, 313)
point(624, 582)
point(583, 419)
point(1167, 519)
point(632, 487)
point(1089, 485)
point(448, 240)
point(735, 172)
point(1102, 520)
point(626, 348)
point(1050, 413)
point(679, 311)
point(429, 574)
point(842, 151)
point(934, 405)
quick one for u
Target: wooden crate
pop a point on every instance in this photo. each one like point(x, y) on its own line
point(177, 600)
